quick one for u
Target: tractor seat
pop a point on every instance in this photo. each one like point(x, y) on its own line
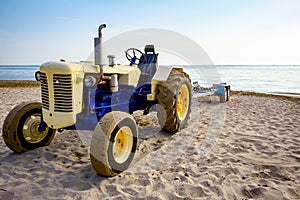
point(149, 66)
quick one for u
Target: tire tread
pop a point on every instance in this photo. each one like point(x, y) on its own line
point(167, 100)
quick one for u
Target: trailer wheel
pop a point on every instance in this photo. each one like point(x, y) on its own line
point(21, 128)
point(114, 143)
point(174, 99)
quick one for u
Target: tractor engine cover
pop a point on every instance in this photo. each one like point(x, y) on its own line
point(61, 89)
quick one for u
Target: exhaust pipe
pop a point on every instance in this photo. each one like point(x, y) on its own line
point(99, 49)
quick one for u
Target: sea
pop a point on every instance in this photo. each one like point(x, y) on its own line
point(256, 78)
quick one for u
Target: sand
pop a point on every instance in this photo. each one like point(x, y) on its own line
point(247, 148)
point(18, 83)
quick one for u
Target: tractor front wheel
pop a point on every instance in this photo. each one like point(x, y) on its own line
point(114, 143)
point(21, 128)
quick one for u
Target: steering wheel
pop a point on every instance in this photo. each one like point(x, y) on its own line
point(135, 56)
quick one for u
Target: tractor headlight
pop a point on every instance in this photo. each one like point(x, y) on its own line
point(90, 81)
point(37, 76)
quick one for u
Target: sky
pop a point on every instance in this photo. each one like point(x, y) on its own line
point(230, 31)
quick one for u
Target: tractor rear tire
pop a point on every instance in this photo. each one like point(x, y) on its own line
point(114, 143)
point(174, 99)
point(20, 128)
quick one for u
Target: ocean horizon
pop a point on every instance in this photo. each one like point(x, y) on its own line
point(254, 78)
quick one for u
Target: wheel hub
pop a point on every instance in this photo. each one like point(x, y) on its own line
point(31, 131)
point(122, 145)
point(182, 102)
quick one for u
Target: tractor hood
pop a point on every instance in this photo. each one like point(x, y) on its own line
point(67, 68)
point(61, 67)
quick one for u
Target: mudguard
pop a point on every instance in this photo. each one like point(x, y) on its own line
point(161, 75)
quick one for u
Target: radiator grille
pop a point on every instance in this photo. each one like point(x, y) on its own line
point(44, 90)
point(62, 84)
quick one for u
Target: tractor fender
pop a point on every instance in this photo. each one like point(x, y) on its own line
point(160, 76)
point(163, 72)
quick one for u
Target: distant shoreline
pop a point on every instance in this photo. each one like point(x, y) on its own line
point(282, 96)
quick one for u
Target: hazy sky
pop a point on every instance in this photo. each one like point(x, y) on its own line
point(230, 31)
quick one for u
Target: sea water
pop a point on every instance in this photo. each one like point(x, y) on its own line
point(18, 72)
point(257, 78)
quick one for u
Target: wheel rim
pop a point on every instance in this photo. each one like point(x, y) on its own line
point(122, 145)
point(30, 130)
point(183, 102)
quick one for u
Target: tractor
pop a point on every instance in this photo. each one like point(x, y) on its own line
point(101, 97)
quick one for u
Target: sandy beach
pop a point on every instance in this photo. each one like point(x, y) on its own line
point(247, 148)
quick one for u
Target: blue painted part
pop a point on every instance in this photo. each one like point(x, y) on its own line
point(148, 68)
point(221, 89)
point(42, 126)
point(98, 101)
point(139, 97)
point(89, 122)
point(91, 100)
point(132, 61)
point(145, 89)
point(112, 106)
